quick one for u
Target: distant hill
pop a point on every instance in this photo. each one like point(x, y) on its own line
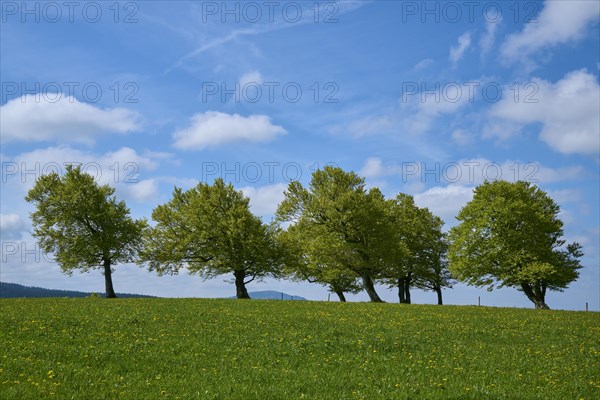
point(14, 290)
point(272, 295)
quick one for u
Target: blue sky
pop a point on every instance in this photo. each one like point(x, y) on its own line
point(425, 98)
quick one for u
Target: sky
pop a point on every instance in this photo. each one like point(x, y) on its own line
point(424, 98)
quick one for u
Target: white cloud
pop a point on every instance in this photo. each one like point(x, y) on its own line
point(558, 22)
point(414, 113)
point(445, 202)
point(143, 190)
point(34, 118)
point(251, 77)
point(374, 168)
point(457, 52)
point(564, 174)
point(120, 166)
point(501, 130)
point(567, 110)
point(423, 64)
point(248, 83)
point(121, 169)
point(265, 199)
point(213, 128)
point(424, 108)
point(469, 171)
point(462, 137)
point(11, 226)
point(486, 42)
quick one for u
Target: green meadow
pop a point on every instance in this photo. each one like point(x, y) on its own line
point(240, 349)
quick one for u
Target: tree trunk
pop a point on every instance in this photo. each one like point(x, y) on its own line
point(370, 288)
point(407, 289)
point(438, 290)
point(240, 286)
point(404, 290)
point(340, 294)
point(110, 291)
point(536, 298)
point(401, 296)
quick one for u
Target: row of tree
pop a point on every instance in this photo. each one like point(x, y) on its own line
point(334, 232)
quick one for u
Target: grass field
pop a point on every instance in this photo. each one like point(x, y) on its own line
point(228, 349)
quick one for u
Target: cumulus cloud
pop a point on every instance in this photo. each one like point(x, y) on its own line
point(424, 108)
point(445, 202)
point(470, 171)
point(567, 111)
point(116, 166)
point(457, 52)
point(143, 190)
point(558, 22)
point(561, 174)
point(121, 168)
point(374, 168)
point(36, 118)
point(213, 128)
point(264, 199)
point(11, 226)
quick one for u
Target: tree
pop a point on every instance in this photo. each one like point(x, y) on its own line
point(83, 224)
point(210, 230)
point(316, 257)
point(337, 208)
point(436, 275)
point(421, 249)
point(510, 234)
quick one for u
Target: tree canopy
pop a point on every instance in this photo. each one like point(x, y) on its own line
point(82, 224)
point(421, 249)
point(510, 235)
point(338, 234)
point(342, 217)
point(315, 255)
point(211, 231)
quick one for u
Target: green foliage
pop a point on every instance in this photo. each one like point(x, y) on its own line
point(314, 255)
point(81, 223)
point(510, 235)
point(227, 349)
point(421, 247)
point(210, 230)
point(341, 228)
